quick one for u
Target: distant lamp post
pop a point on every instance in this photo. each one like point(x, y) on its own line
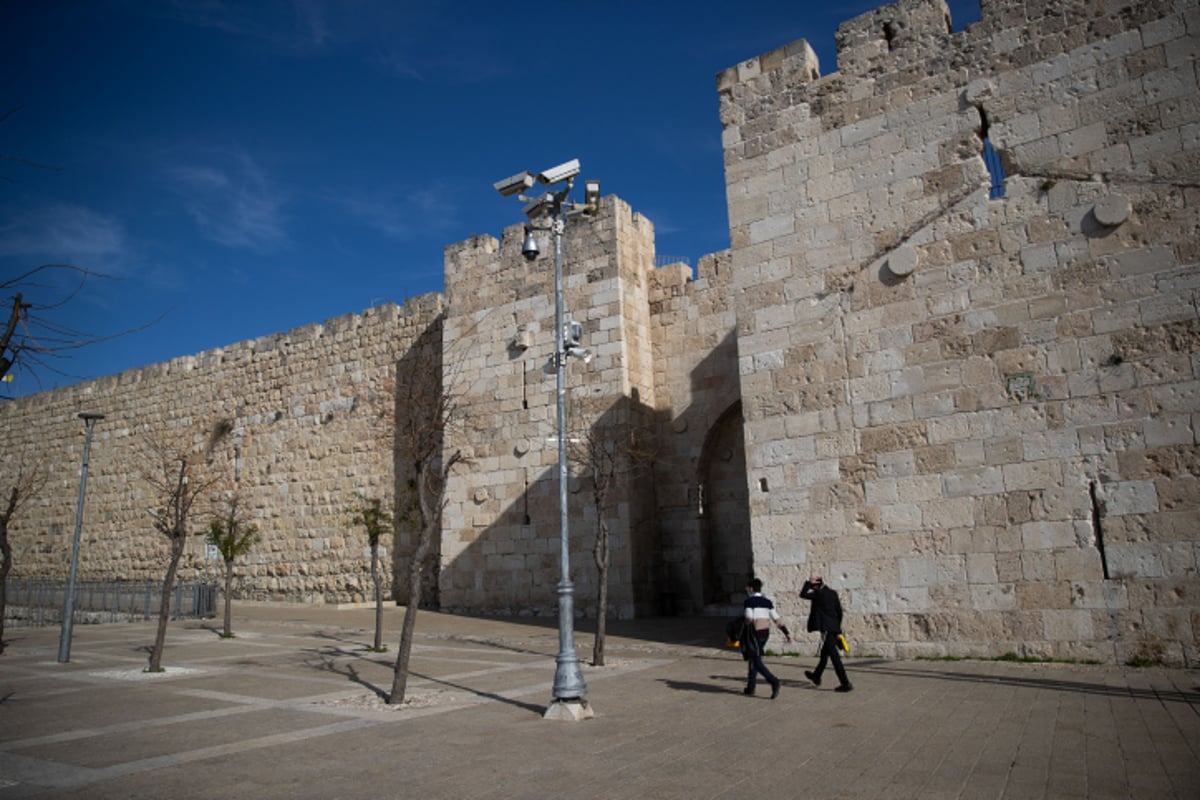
point(64, 640)
point(552, 208)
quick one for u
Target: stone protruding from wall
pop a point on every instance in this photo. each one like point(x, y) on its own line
point(977, 417)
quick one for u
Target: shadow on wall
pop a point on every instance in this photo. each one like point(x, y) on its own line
point(676, 510)
point(420, 406)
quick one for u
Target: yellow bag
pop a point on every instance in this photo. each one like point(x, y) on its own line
point(843, 645)
point(733, 633)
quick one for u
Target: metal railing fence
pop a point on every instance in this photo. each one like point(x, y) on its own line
point(32, 602)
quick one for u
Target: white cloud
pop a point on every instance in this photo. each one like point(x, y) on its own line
point(398, 215)
point(300, 26)
point(63, 233)
point(233, 202)
point(398, 65)
point(380, 214)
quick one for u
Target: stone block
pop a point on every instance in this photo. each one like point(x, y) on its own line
point(973, 481)
point(903, 436)
point(908, 600)
point(1134, 561)
point(901, 517)
point(993, 597)
point(1099, 594)
point(1177, 494)
point(1128, 497)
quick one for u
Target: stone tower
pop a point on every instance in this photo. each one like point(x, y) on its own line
point(970, 398)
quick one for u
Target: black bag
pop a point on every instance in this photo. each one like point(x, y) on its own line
point(751, 646)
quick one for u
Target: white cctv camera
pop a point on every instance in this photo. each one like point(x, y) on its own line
point(538, 206)
point(582, 353)
point(572, 333)
point(517, 183)
point(560, 173)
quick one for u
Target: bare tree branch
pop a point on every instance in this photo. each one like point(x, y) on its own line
point(33, 338)
point(180, 474)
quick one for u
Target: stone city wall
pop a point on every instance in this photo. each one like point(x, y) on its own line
point(975, 414)
point(977, 417)
point(302, 414)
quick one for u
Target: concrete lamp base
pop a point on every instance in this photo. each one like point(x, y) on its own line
point(569, 710)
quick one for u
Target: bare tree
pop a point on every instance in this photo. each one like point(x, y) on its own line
point(179, 476)
point(370, 513)
point(233, 537)
point(606, 453)
point(20, 490)
point(426, 409)
point(34, 336)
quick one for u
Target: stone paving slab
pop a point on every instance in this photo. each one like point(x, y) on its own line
point(290, 709)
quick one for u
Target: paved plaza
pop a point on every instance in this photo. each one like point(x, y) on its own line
point(290, 709)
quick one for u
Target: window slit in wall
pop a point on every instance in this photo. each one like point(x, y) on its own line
point(524, 389)
point(762, 485)
point(1098, 528)
point(991, 158)
point(525, 499)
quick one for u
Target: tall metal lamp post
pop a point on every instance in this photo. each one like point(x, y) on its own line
point(552, 209)
point(64, 640)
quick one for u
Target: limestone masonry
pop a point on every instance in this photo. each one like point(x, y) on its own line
point(950, 362)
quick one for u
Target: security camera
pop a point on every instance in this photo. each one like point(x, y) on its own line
point(530, 249)
point(582, 353)
point(538, 206)
point(572, 333)
point(517, 183)
point(560, 173)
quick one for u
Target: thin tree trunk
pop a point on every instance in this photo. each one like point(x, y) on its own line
point(228, 600)
point(601, 555)
point(5, 566)
point(415, 570)
point(164, 606)
point(6, 558)
point(378, 597)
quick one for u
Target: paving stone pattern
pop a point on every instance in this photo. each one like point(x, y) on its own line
point(290, 709)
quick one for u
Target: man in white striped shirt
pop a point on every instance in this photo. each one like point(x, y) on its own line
point(759, 613)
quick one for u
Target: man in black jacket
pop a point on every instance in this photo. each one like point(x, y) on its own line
point(825, 616)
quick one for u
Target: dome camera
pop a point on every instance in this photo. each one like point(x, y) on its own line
point(530, 249)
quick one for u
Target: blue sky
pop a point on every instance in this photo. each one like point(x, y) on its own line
point(242, 168)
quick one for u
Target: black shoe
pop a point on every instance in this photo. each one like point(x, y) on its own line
point(845, 687)
point(775, 690)
point(747, 691)
point(814, 677)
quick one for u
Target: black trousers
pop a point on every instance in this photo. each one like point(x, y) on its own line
point(756, 667)
point(829, 652)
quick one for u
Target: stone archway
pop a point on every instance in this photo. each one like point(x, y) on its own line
point(727, 556)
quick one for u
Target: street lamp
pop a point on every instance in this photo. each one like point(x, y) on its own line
point(64, 640)
point(570, 692)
